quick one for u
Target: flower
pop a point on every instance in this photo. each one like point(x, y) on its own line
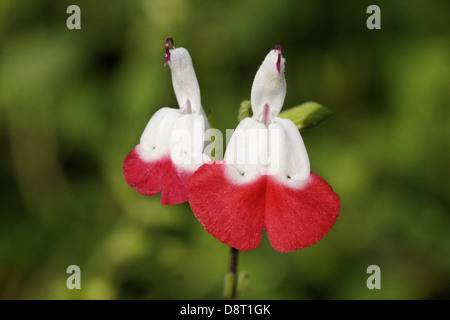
point(171, 146)
point(264, 182)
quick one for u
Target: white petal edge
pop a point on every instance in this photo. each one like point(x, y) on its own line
point(246, 152)
point(255, 150)
point(187, 141)
point(291, 167)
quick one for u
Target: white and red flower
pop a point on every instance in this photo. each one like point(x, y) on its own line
point(264, 182)
point(171, 146)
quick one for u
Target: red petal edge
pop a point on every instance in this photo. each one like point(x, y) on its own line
point(298, 218)
point(150, 178)
point(233, 214)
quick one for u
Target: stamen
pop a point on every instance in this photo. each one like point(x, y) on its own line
point(168, 51)
point(266, 114)
point(277, 47)
point(188, 107)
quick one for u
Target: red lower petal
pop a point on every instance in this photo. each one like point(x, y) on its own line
point(150, 178)
point(298, 218)
point(175, 188)
point(233, 214)
point(145, 177)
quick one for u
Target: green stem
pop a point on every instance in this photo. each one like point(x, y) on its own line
point(234, 259)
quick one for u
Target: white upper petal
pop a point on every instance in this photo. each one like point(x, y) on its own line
point(178, 133)
point(185, 81)
point(269, 87)
point(266, 145)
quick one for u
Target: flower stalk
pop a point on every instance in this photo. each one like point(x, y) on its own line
point(234, 259)
point(231, 284)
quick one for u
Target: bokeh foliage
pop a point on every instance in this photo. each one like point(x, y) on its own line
point(73, 103)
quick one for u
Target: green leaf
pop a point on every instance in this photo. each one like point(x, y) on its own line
point(245, 110)
point(210, 117)
point(307, 115)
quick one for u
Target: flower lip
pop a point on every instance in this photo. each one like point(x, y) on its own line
point(277, 47)
point(168, 51)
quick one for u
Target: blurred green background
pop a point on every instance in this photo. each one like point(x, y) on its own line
point(73, 103)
